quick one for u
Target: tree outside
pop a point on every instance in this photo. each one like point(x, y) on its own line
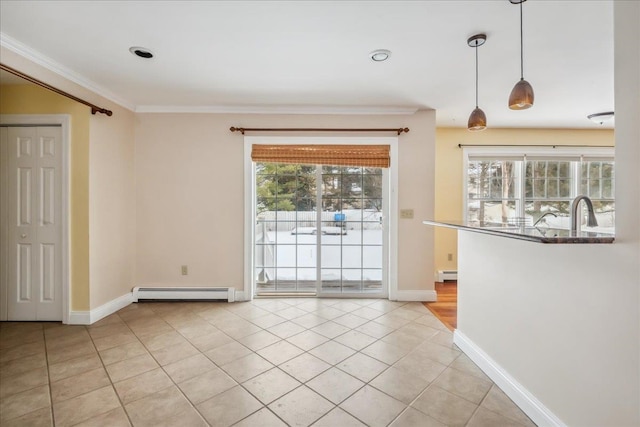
point(548, 188)
point(491, 190)
point(285, 187)
point(292, 187)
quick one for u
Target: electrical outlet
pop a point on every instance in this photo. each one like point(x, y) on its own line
point(185, 270)
point(406, 213)
point(449, 257)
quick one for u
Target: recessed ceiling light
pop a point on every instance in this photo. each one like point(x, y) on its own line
point(380, 55)
point(141, 52)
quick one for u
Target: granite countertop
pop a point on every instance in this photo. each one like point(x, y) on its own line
point(529, 233)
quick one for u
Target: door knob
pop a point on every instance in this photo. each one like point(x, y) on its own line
point(23, 235)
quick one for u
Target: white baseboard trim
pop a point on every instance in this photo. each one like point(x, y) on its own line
point(240, 296)
point(111, 307)
point(540, 414)
point(91, 317)
point(79, 318)
point(416, 295)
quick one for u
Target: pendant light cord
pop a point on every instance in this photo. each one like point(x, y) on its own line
point(476, 48)
point(521, 46)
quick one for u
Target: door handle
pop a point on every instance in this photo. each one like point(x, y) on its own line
point(23, 235)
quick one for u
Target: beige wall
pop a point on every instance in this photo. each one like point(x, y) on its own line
point(167, 212)
point(101, 255)
point(112, 219)
point(190, 194)
point(449, 185)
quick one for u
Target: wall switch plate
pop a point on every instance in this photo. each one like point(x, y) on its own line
point(406, 213)
point(185, 270)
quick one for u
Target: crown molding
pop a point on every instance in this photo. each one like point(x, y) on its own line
point(272, 109)
point(44, 61)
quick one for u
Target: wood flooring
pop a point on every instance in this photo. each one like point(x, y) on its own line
point(446, 308)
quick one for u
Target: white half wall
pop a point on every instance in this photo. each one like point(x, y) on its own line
point(560, 319)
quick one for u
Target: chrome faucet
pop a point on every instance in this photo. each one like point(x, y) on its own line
point(591, 221)
point(542, 217)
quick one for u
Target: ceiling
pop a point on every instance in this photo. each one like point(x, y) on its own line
point(312, 56)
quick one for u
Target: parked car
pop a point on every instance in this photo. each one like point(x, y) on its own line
point(304, 230)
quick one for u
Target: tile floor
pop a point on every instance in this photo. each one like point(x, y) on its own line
point(269, 362)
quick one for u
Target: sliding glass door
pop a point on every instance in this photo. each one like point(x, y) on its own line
point(320, 230)
point(352, 256)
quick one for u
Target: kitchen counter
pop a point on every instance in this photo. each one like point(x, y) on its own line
point(529, 233)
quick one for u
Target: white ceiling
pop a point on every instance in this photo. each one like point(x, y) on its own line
point(312, 56)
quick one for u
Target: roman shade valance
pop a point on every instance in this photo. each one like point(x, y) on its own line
point(375, 156)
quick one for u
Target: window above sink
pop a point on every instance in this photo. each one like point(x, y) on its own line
point(523, 186)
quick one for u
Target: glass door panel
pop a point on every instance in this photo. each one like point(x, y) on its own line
point(286, 240)
point(352, 252)
point(337, 250)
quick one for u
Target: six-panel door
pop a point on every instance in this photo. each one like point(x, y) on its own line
point(34, 227)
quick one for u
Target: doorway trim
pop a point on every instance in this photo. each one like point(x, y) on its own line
point(64, 121)
point(249, 209)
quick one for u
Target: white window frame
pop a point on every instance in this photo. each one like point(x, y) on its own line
point(522, 153)
point(390, 252)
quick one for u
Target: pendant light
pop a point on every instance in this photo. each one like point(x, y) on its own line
point(477, 119)
point(521, 96)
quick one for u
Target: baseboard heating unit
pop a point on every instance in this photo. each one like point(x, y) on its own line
point(183, 294)
point(447, 275)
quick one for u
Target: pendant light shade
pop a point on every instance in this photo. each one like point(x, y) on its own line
point(477, 119)
point(521, 96)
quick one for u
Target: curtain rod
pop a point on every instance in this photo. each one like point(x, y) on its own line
point(243, 130)
point(94, 108)
point(537, 145)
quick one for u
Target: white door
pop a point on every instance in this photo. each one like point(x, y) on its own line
point(32, 222)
